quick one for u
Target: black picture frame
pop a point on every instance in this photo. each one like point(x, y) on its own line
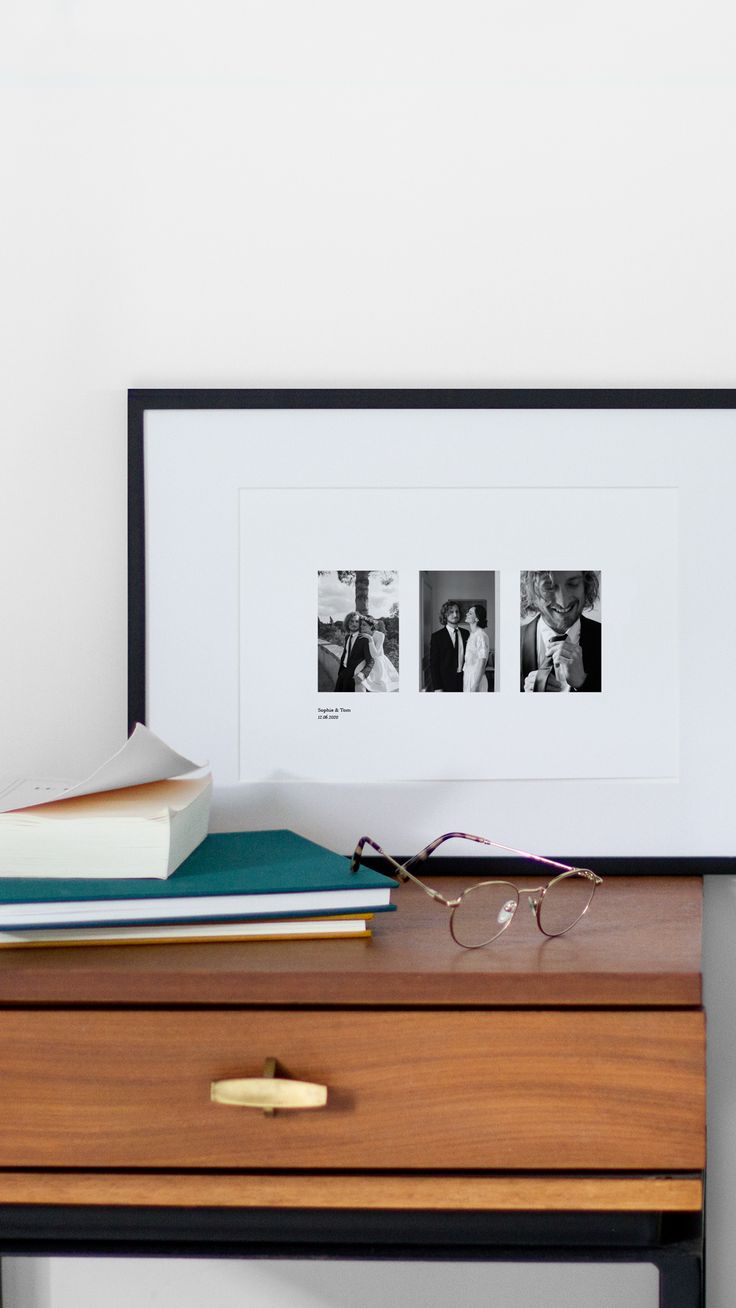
point(142, 401)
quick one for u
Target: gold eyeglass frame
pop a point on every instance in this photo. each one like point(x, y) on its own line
point(536, 894)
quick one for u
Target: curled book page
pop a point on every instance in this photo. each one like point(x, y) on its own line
point(144, 757)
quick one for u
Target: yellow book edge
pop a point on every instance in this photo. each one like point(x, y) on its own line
point(73, 942)
point(179, 940)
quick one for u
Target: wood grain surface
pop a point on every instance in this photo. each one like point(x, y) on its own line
point(452, 1192)
point(639, 946)
point(552, 1090)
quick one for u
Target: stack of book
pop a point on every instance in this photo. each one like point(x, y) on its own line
point(269, 885)
point(82, 864)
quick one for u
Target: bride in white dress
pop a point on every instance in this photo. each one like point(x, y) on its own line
point(477, 649)
point(383, 676)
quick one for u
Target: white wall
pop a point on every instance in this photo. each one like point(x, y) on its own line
point(267, 192)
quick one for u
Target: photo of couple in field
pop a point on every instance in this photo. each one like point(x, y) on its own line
point(358, 646)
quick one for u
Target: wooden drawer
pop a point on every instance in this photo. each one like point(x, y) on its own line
point(568, 1090)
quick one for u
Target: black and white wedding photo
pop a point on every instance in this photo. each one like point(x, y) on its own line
point(560, 631)
point(358, 632)
point(458, 631)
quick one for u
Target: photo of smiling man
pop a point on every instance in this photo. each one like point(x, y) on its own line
point(560, 631)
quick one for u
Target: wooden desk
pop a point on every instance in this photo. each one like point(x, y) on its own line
point(535, 1098)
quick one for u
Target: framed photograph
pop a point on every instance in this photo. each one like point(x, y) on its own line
point(464, 677)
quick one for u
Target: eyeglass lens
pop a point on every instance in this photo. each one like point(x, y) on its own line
point(564, 903)
point(483, 913)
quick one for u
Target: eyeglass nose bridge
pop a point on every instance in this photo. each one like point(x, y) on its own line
point(506, 912)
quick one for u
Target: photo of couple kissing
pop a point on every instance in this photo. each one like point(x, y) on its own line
point(364, 667)
point(458, 654)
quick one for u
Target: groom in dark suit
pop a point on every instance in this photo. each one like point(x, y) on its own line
point(447, 650)
point(355, 651)
point(560, 647)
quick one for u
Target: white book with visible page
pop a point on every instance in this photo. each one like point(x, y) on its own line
point(135, 831)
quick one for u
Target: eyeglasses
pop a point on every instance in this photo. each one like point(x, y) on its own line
point(483, 912)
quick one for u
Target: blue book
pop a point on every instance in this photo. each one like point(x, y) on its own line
point(236, 876)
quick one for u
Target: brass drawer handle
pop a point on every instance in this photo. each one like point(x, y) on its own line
point(268, 1092)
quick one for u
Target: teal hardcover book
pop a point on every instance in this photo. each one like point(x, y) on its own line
point(238, 875)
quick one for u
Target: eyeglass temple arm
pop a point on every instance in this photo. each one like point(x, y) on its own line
point(404, 875)
point(424, 854)
point(483, 840)
point(428, 850)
